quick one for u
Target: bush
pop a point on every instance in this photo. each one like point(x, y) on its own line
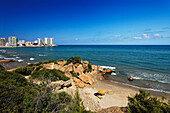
point(2, 68)
point(49, 74)
point(61, 60)
point(18, 95)
point(145, 103)
point(25, 70)
point(38, 64)
point(53, 61)
point(73, 74)
point(73, 60)
point(39, 67)
point(89, 67)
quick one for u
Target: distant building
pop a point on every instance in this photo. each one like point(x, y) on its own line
point(47, 41)
point(12, 41)
point(29, 44)
point(21, 42)
point(2, 41)
point(51, 41)
point(40, 42)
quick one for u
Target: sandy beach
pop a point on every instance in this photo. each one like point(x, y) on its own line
point(115, 95)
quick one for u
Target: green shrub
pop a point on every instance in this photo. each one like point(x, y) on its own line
point(2, 68)
point(53, 61)
point(73, 74)
point(39, 63)
point(39, 67)
point(61, 60)
point(89, 67)
point(84, 71)
point(20, 96)
point(25, 70)
point(145, 103)
point(45, 62)
point(73, 60)
point(49, 74)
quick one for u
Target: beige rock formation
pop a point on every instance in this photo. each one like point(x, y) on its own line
point(86, 79)
point(79, 83)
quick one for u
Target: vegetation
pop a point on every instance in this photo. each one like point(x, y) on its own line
point(39, 67)
point(73, 74)
point(25, 70)
point(49, 74)
point(145, 103)
point(19, 95)
point(53, 61)
point(89, 67)
point(73, 60)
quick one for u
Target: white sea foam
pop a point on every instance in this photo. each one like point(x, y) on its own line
point(108, 67)
point(17, 57)
point(42, 55)
point(10, 58)
point(32, 58)
point(156, 90)
point(20, 60)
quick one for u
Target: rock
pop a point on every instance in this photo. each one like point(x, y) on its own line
point(107, 71)
point(79, 83)
point(86, 62)
point(4, 61)
point(86, 79)
point(76, 65)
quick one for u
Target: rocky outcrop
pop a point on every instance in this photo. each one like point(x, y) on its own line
point(5, 61)
point(79, 83)
point(107, 71)
point(86, 79)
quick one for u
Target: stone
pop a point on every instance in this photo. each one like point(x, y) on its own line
point(86, 79)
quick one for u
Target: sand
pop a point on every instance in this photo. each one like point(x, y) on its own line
point(115, 95)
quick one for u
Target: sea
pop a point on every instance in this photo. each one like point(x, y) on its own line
point(149, 65)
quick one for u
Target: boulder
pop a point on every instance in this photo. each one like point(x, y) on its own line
point(86, 79)
point(4, 61)
point(79, 83)
point(85, 62)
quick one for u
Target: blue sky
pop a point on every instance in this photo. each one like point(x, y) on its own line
point(94, 22)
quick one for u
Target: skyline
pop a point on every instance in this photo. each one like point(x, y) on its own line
point(85, 22)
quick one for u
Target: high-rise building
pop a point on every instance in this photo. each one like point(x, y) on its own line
point(2, 41)
point(46, 41)
point(51, 41)
point(40, 42)
point(12, 41)
point(21, 42)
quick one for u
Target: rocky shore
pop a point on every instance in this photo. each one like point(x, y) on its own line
point(89, 79)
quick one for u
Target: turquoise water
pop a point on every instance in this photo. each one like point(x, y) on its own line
point(149, 65)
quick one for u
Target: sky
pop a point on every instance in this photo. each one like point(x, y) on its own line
point(87, 22)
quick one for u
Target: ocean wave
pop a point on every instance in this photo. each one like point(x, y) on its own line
point(32, 58)
point(20, 60)
point(42, 55)
point(10, 59)
point(17, 57)
point(108, 67)
point(151, 89)
point(3, 51)
point(151, 77)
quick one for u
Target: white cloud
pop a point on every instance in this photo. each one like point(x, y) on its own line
point(76, 39)
point(157, 35)
point(146, 36)
point(116, 35)
point(137, 37)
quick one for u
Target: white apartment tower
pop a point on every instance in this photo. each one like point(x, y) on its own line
point(12, 41)
point(51, 41)
point(46, 41)
point(40, 42)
